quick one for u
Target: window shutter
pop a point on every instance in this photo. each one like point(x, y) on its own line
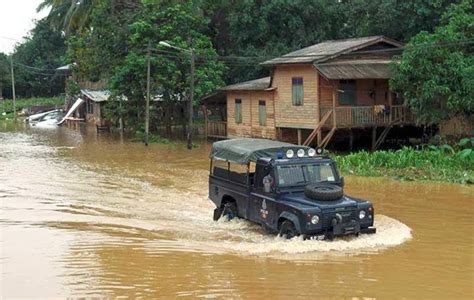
point(262, 113)
point(238, 111)
point(297, 90)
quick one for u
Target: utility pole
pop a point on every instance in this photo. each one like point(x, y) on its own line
point(191, 96)
point(191, 102)
point(147, 108)
point(13, 87)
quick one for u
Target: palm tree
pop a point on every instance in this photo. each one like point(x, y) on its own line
point(69, 15)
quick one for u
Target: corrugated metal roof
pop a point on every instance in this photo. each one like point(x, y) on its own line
point(356, 69)
point(252, 85)
point(96, 96)
point(328, 49)
point(64, 68)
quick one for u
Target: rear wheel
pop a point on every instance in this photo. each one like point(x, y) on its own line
point(229, 211)
point(288, 230)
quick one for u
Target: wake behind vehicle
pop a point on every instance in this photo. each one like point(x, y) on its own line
point(291, 190)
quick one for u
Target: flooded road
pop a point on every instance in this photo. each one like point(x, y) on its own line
point(89, 215)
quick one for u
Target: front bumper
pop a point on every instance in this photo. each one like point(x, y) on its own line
point(343, 229)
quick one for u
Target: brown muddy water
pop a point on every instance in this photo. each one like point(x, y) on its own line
point(91, 215)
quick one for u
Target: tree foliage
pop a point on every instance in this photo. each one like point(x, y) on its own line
point(400, 20)
point(108, 39)
point(4, 74)
point(116, 48)
point(269, 28)
point(436, 71)
point(35, 61)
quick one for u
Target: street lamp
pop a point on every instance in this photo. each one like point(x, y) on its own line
point(191, 96)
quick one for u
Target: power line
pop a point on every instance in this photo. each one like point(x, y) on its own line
point(36, 72)
point(9, 38)
point(33, 68)
point(257, 59)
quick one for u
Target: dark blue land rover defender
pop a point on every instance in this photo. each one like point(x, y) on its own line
point(291, 190)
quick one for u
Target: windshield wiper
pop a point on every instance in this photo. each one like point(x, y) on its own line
point(301, 182)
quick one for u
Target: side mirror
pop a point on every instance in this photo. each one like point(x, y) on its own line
point(342, 181)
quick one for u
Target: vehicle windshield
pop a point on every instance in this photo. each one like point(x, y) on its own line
point(302, 174)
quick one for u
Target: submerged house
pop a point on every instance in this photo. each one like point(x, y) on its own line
point(337, 86)
point(94, 95)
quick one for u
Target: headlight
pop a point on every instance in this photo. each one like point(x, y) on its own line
point(290, 153)
point(300, 152)
point(361, 214)
point(315, 220)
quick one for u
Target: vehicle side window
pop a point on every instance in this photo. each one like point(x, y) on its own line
point(220, 168)
point(258, 183)
point(238, 173)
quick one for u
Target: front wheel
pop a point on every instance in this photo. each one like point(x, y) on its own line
point(288, 230)
point(229, 211)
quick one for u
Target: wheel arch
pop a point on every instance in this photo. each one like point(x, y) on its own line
point(226, 198)
point(290, 217)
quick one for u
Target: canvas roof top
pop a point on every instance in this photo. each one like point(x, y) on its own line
point(245, 150)
point(329, 49)
point(251, 85)
point(356, 69)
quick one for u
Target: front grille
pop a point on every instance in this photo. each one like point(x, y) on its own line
point(347, 216)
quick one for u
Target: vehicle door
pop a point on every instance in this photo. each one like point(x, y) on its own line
point(262, 206)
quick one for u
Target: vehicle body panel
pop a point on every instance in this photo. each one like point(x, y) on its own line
point(270, 209)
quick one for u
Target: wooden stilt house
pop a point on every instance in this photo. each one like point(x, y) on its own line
point(337, 85)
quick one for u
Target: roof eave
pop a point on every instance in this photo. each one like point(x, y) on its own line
point(358, 47)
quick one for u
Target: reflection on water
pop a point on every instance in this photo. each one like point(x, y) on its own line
point(90, 215)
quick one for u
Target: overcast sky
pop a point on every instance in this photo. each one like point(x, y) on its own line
point(16, 20)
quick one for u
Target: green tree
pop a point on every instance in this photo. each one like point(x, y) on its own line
point(4, 74)
point(75, 15)
point(35, 61)
point(179, 25)
point(436, 71)
point(268, 28)
point(400, 20)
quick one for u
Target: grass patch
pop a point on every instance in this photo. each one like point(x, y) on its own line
point(7, 105)
point(6, 116)
point(139, 137)
point(433, 163)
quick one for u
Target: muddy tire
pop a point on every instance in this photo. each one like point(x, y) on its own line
point(288, 230)
point(229, 211)
point(323, 192)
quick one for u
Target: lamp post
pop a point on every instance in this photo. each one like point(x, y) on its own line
point(191, 96)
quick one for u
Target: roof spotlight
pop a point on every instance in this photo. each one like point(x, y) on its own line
point(311, 152)
point(319, 151)
point(300, 152)
point(290, 153)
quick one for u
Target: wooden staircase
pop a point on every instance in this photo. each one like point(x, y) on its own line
point(327, 138)
point(318, 127)
point(384, 134)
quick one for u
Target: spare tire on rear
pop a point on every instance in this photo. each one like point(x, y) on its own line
point(323, 191)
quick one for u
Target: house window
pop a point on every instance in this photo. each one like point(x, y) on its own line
point(238, 111)
point(297, 91)
point(347, 93)
point(262, 113)
point(90, 106)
